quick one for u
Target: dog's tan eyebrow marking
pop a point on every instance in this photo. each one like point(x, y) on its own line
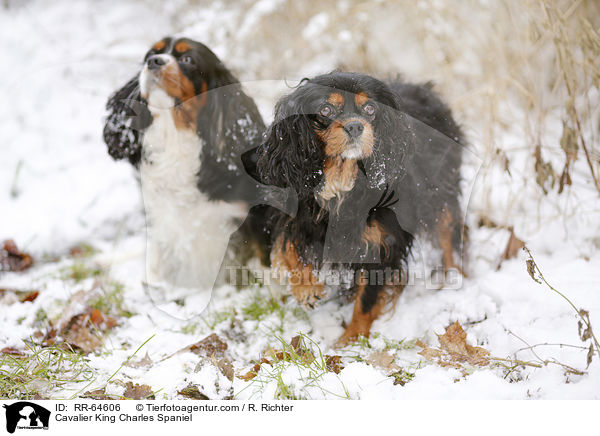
point(159, 45)
point(336, 99)
point(182, 46)
point(360, 99)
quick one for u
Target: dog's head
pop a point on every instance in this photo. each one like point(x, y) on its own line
point(345, 122)
point(186, 78)
point(181, 68)
point(333, 121)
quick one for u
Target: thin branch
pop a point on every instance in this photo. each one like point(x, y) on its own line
point(583, 319)
point(530, 347)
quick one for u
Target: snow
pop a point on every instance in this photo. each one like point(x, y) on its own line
point(59, 188)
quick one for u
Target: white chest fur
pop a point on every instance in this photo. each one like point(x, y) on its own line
point(187, 235)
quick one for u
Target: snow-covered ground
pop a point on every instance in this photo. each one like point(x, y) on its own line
point(60, 189)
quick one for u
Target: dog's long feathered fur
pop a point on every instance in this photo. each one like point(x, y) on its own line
point(207, 113)
point(230, 124)
point(404, 186)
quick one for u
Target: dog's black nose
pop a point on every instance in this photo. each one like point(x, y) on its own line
point(354, 128)
point(155, 62)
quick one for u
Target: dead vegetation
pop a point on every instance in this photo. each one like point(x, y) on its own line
point(12, 259)
point(522, 76)
point(584, 326)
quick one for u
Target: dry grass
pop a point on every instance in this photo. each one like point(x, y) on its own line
point(522, 76)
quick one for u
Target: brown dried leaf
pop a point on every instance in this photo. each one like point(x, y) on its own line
point(31, 296)
point(82, 338)
point(100, 321)
point(225, 366)
point(49, 338)
point(76, 251)
point(81, 250)
point(98, 394)
point(10, 247)
point(454, 350)
point(10, 296)
point(296, 343)
point(531, 270)
point(454, 342)
point(11, 351)
point(428, 353)
point(436, 356)
point(144, 362)
point(505, 162)
point(586, 333)
point(193, 393)
point(543, 170)
point(334, 363)
point(281, 355)
point(568, 142)
point(486, 221)
point(300, 350)
point(81, 330)
point(96, 317)
point(138, 392)
point(512, 247)
point(251, 374)
point(210, 346)
point(565, 179)
point(590, 354)
point(73, 308)
point(11, 259)
point(383, 360)
point(298, 346)
point(248, 376)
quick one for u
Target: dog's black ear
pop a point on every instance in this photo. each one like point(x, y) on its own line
point(291, 154)
point(230, 124)
point(230, 120)
point(395, 141)
point(128, 116)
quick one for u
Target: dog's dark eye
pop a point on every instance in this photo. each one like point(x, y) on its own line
point(186, 60)
point(369, 108)
point(326, 110)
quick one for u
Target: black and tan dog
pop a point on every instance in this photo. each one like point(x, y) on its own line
point(373, 164)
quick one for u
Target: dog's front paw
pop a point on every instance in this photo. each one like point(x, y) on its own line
point(308, 295)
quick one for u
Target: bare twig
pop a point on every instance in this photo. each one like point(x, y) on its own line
point(532, 268)
point(516, 362)
point(547, 344)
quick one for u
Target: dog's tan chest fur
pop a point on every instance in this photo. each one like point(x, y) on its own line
point(340, 176)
